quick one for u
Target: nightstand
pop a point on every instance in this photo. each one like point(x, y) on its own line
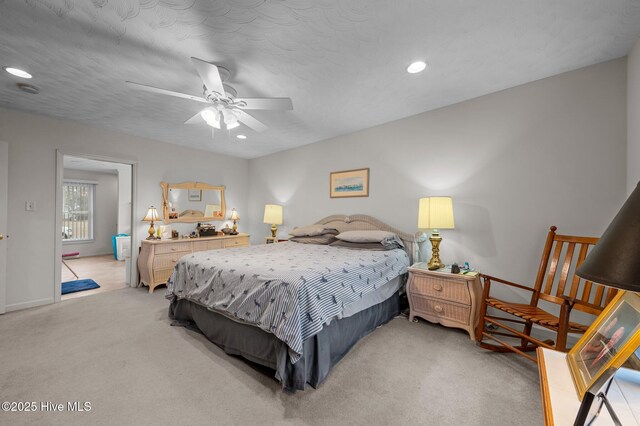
point(452, 300)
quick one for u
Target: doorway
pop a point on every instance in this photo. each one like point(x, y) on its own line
point(95, 203)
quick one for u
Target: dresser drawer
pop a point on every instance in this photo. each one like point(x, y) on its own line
point(162, 261)
point(173, 248)
point(448, 289)
point(237, 242)
point(160, 276)
point(437, 308)
point(207, 245)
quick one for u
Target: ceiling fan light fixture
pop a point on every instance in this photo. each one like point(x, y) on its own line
point(416, 67)
point(17, 72)
point(212, 118)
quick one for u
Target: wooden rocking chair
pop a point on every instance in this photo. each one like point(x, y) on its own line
point(584, 296)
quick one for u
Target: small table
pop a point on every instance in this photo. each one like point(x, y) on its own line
point(560, 400)
point(452, 300)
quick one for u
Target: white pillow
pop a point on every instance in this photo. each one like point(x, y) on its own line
point(312, 231)
point(365, 236)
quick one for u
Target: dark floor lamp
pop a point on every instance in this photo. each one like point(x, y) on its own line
point(615, 262)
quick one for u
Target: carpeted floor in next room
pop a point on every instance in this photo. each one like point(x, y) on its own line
point(118, 351)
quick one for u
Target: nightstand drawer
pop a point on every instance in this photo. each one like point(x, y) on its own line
point(448, 289)
point(441, 309)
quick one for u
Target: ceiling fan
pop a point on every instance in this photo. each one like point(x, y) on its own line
point(225, 110)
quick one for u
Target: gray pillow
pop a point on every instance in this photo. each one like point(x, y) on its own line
point(365, 246)
point(312, 231)
point(382, 237)
point(323, 239)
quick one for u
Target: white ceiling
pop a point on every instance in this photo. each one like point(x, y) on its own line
point(341, 61)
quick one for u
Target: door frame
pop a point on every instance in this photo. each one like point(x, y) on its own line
point(60, 154)
point(4, 225)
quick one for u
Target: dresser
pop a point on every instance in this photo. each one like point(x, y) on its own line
point(158, 257)
point(452, 300)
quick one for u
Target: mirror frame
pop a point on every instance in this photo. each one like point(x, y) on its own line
point(190, 185)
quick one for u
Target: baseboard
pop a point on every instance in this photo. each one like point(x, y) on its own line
point(30, 304)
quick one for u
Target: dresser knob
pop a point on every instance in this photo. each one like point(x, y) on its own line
point(437, 287)
point(438, 309)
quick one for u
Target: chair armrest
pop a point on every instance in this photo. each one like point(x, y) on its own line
point(509, 283)
point(571, 301)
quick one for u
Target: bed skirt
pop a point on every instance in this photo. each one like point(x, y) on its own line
point(320, 352)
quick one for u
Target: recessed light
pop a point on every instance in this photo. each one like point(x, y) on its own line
point(416, 67)
point(17, 72)
point(241, 137)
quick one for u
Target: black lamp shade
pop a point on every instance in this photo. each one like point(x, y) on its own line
point(615, 260)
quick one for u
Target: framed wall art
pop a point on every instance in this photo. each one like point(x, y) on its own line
point(349, 183)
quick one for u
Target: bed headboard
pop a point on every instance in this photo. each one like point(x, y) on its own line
point(363, 222)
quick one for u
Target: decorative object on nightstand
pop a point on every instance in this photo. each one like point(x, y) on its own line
point(435, 213)
point(273, 215)
point(152, 216)
point(452, 300)
point(234, 217)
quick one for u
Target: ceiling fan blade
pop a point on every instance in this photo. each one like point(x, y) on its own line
point(266, 103)
point(165, 92)
point(196, 119)
point(249, 121)
point(209, 75)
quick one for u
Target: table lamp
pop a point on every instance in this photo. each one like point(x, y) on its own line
point(273, 215)
point(613, 262)
point(435, 213)
point(234, 217)
point(152, 216)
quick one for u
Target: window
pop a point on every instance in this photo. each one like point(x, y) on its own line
point(77, 211)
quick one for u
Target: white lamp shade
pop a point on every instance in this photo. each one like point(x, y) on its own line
point(152, 215)
point(234, 215)
point(435, 213)
point(273, 214)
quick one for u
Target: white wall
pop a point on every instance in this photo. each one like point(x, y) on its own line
point(633, 118)
point(33, 141)
point(105, 218)
point(124, 199)
point(551, 152)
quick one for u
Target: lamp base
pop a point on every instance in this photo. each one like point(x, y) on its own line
point(152, 232)
point(274, 229)
point(234, 228)
point(435, 262)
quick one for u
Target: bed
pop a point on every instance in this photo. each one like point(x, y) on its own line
point(294, 308)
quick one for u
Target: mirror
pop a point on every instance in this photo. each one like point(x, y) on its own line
point(192, 202)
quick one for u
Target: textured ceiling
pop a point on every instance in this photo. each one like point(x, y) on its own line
point(341, 61)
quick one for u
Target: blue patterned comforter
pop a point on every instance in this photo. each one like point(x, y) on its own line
point(288, 289)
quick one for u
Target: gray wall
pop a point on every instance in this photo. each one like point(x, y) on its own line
point(633, 118)
point(105, 223)
point(124, 199)
point(33, 141)
point(551, 152)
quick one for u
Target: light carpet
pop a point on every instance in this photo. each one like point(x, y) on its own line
point(118, 351)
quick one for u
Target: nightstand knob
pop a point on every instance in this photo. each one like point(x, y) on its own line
point(438, 309)
point(437, 287)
